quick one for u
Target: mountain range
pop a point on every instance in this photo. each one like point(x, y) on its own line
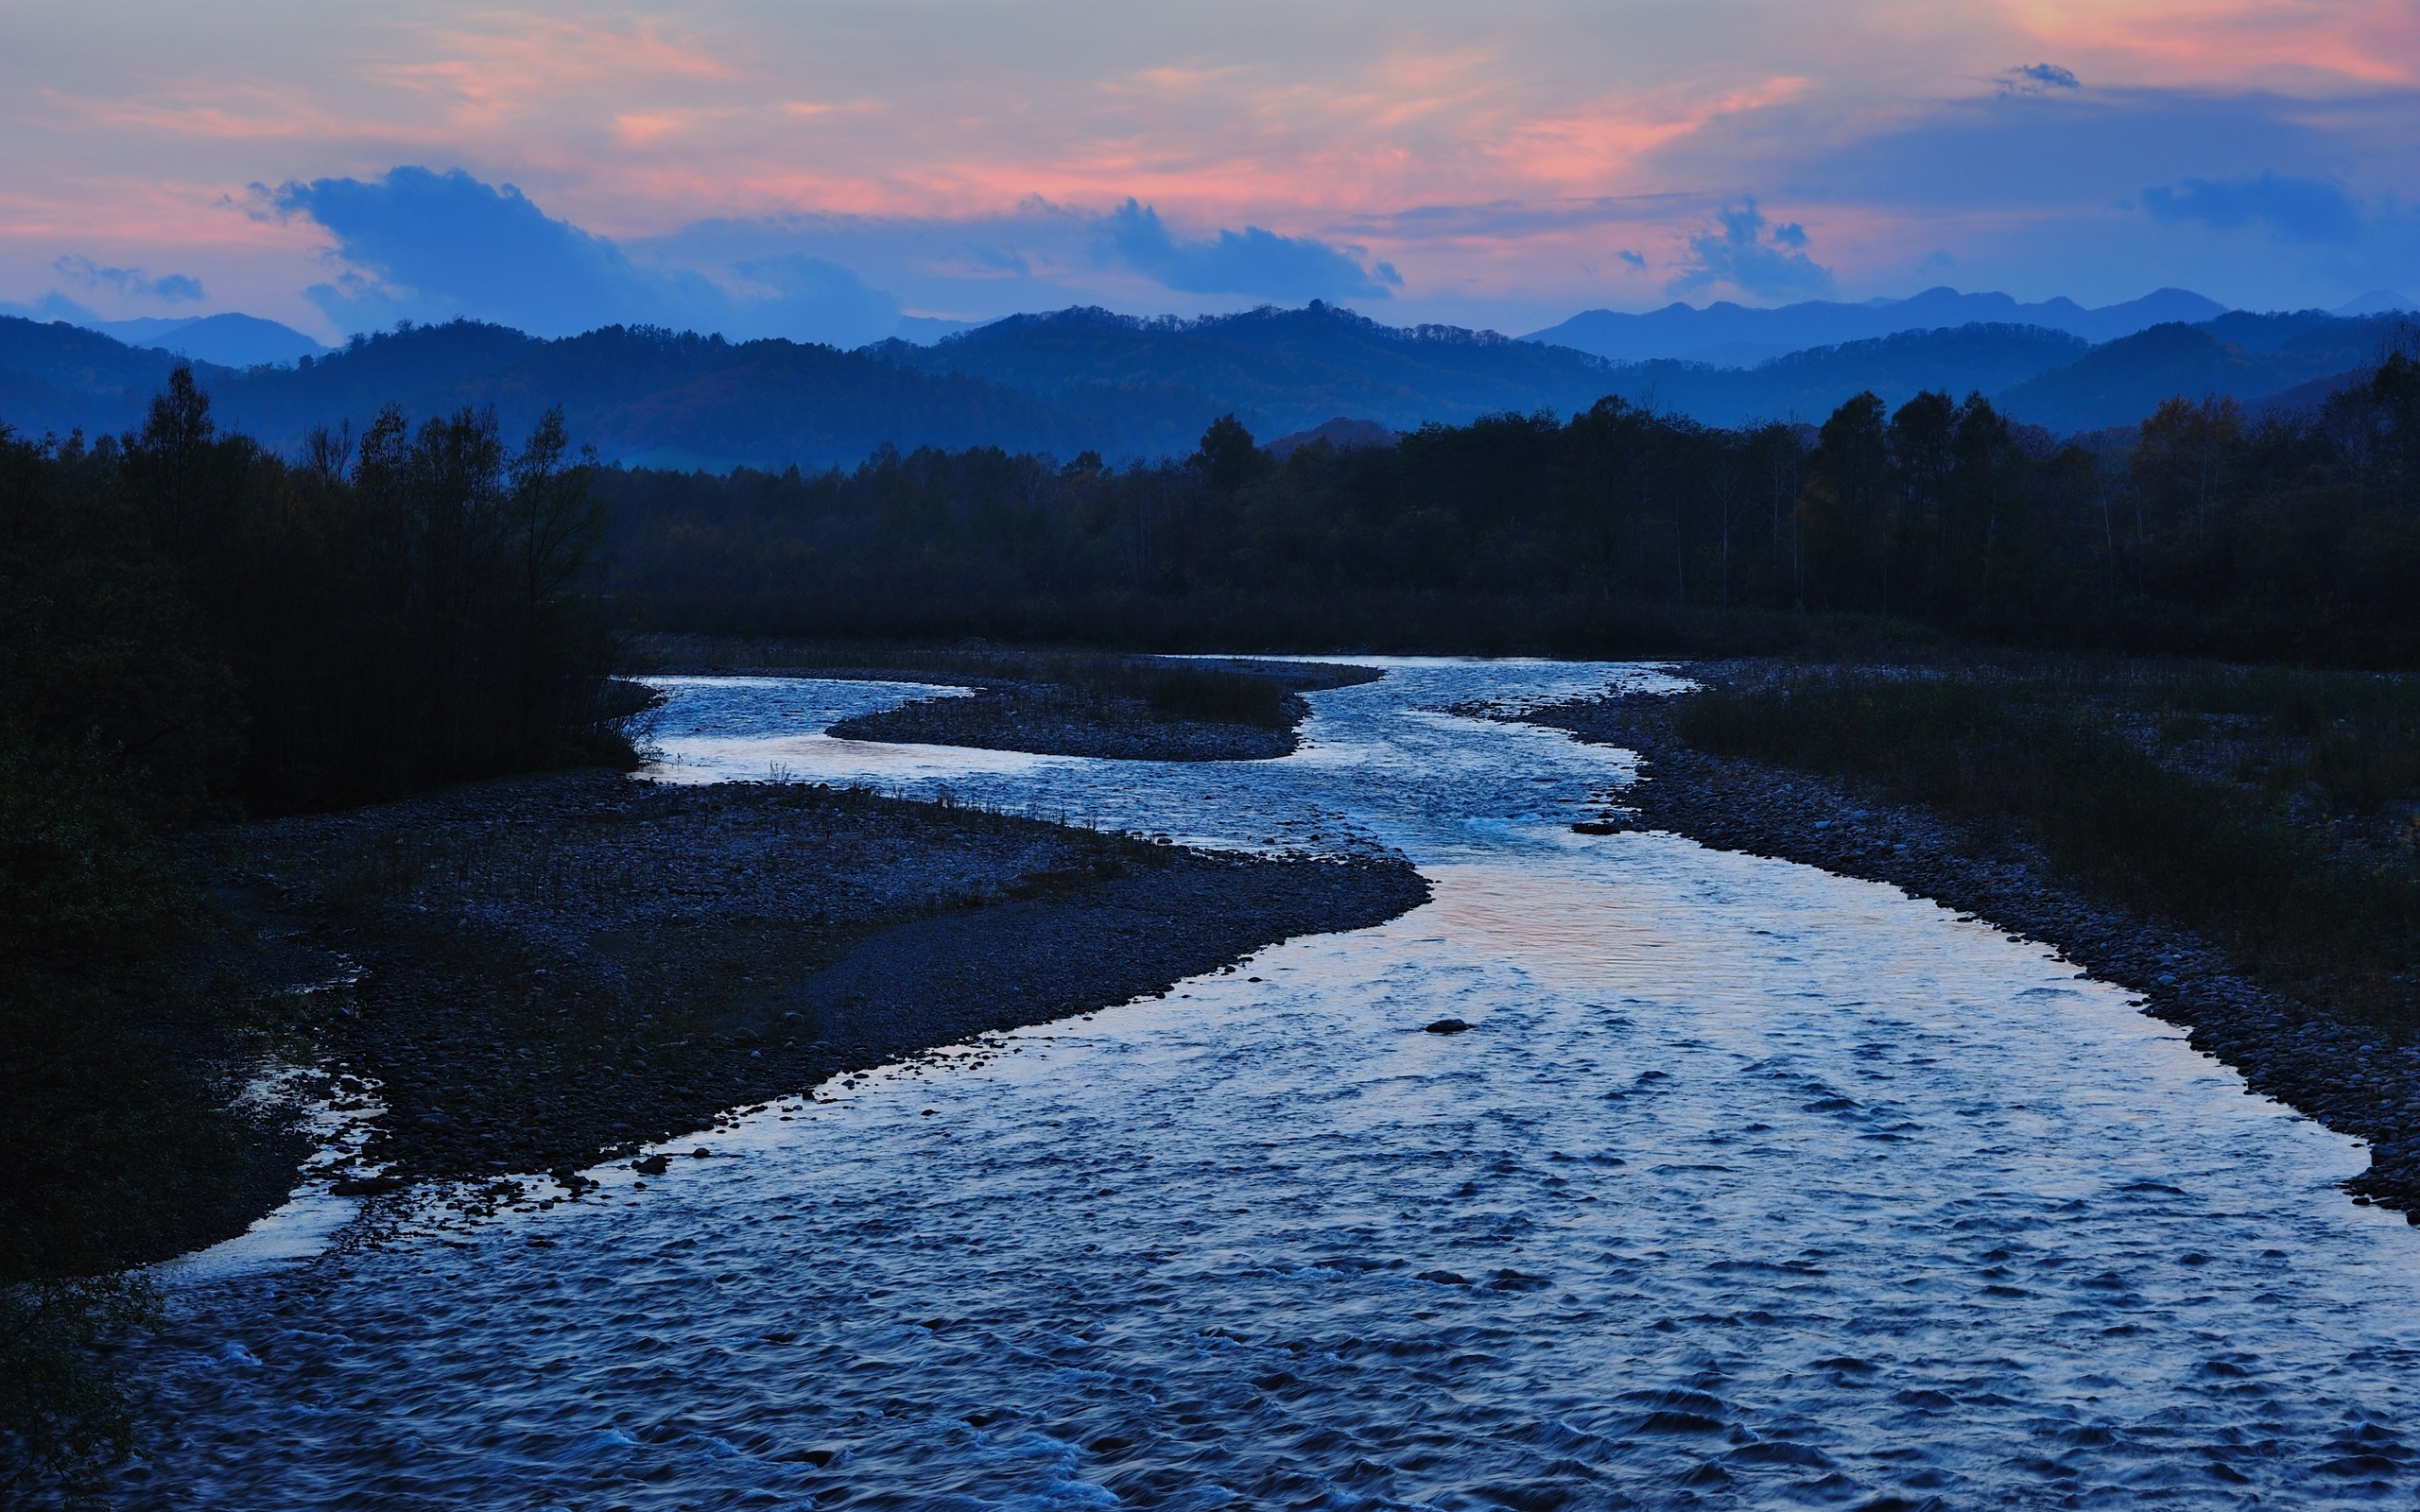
point(1084, 379)
point(1735, 335)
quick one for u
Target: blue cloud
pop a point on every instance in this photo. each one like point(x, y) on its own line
point(2037, 78)
point(130, 282)
point(444, 243)
point(1637, 263)
point(2005, 152)
point(1253, 262)
point(1751, 254)
point(2294, 209)
point(431, 246)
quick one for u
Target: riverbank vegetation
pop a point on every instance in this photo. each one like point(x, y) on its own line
point(192, 629)
point(2276, 812)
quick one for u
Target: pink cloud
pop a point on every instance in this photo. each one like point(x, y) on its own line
point(2200, 44)
point(1305, 120)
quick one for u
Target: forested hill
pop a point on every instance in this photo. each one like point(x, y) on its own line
point(633, 393)
point(1810, 384)
point(2240, 357)
point(1737, 335)
point(1087, 380)
point(1161, 381)
point(59, 377)
point(1153, 384)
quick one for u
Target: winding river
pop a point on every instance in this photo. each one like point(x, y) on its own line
point(1750, 1186)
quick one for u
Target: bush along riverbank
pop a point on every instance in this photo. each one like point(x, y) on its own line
point(1047, 701)
point(2237, 846)
point(538, 973)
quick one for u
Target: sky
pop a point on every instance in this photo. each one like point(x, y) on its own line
point(845, 171)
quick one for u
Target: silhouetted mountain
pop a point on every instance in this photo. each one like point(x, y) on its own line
point(2306, 398)
point(636, 394)
point(1810, 384)
point(2377, 301)
point(652, 396)
point(2125, 381)
point(1735, 334)
point(1080, 380)
point(230, 340)
point(1155, 385)
point(58, 377)
point(2267, 333)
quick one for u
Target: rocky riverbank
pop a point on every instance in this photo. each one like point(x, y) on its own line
point(541, 972)
point(2356, 1078)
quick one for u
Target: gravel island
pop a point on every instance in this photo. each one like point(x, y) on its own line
point(541, 972)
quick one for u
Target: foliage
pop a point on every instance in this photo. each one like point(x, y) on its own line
point(192, 627)
point(62, 1423)
point(414, 619)
point(1621, 531)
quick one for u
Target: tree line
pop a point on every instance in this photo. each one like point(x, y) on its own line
point(2207, 531)
point(194, 628)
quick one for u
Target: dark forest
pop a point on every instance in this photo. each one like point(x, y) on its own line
point(2206, 531)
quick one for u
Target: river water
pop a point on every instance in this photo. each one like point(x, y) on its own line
point(1750, 1186)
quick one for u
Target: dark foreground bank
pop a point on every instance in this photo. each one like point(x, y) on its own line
point(541, 972)
point(2360, 1078)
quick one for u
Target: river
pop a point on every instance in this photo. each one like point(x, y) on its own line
point(1749, 1186)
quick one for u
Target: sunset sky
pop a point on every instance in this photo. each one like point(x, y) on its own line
point(819, 170)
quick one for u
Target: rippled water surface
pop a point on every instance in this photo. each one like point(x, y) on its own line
point(1751, 1186)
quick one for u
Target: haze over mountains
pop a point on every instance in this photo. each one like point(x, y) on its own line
point(1736, 336)
point(230, 340)
point(1088, 379)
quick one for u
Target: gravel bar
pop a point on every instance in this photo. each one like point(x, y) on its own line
point(538, 973)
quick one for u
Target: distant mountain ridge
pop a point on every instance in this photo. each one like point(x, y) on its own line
point(230, 340)
point(59, 377)
point(1086, 379)
point(1810, 384)
point(1159, 382)
point(1731, 335)
point(636, 394)
point(2122, 382)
